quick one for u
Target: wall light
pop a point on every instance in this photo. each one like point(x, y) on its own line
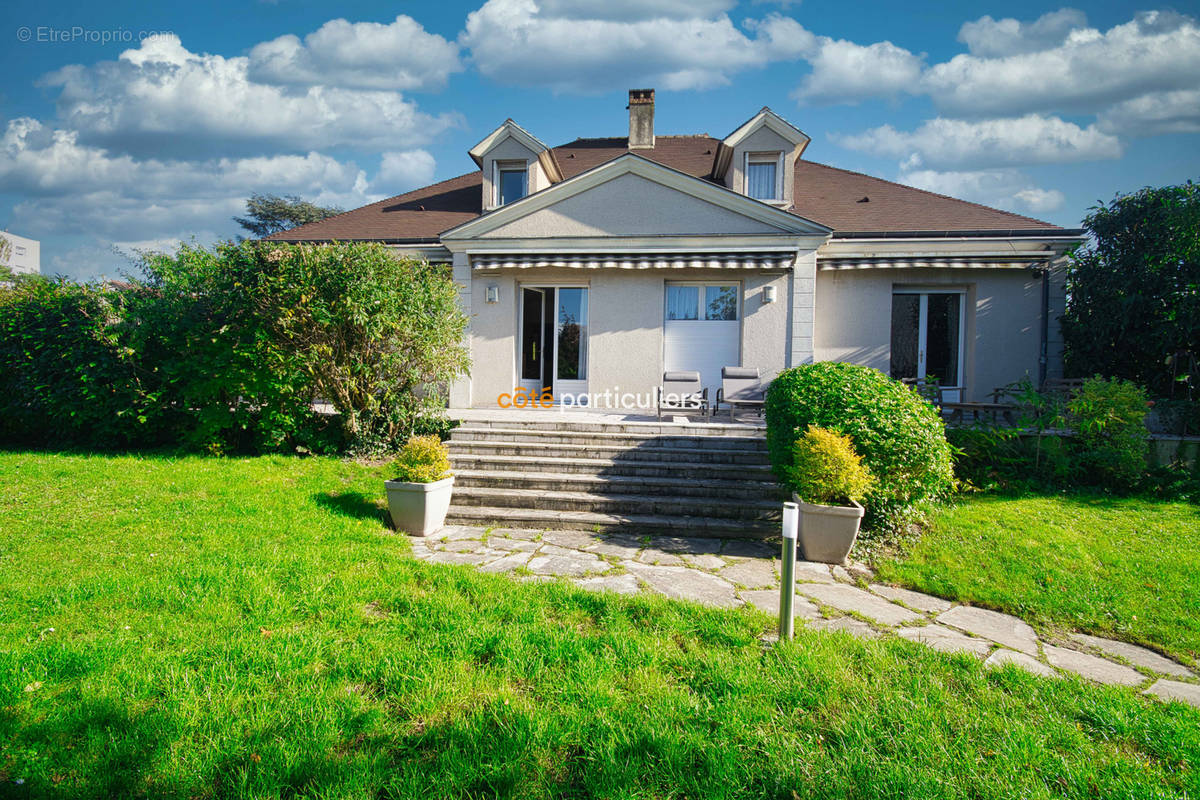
point(493, 294)
point(768, 294)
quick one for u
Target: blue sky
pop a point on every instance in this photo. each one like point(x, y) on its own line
point(137, 125)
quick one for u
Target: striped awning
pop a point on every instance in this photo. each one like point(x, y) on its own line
point(934, 263)
point(636, 261)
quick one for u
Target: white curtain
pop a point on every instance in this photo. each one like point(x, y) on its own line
point(760, 180)
point(683, 302)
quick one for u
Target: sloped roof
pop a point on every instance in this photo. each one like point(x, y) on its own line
point(828, 195)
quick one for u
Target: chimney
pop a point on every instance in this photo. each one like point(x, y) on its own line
point(641, 118)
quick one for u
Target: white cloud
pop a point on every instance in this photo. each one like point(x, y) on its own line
point(73, 189)
point(1154, 114)
point(399, 172)
point(992, 38)
point(632, 10)
point(1008, 189)
point(162, 99)
point(573, 47)
point(1155, 52)
point(401, 55)
point(950, 143)
point(843, 71)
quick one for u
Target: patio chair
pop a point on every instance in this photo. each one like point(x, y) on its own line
point(740, 387)
point(681, 391)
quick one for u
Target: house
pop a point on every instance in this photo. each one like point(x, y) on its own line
point(595, 266)
point(24, 255)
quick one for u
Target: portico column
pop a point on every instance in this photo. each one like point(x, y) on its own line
point(804, 288)
point(460, 388)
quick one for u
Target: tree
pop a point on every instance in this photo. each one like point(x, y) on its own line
point(270, 213)
point(1133, 292)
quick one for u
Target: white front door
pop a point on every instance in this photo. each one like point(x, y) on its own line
point(702, 329)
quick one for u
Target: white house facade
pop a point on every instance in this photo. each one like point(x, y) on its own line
point(593, 268)
point(24, 255)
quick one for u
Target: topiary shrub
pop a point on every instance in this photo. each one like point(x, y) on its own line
point(1109, 417)
point(423, 459)
point(900, 437)
point(826, 470)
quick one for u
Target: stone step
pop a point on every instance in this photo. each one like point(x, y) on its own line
point(621, 504)
point(615, 453)
point(697, 428)
point(755, 444)
point(542, 519)
point(606, 467)
point(618, 484)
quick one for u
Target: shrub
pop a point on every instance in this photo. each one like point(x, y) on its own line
point(68, 375)
point(900, 437)
point(1109, 417)
point(423, 459)
point(825, 469)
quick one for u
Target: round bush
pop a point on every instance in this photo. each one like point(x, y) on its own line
point(899, 435)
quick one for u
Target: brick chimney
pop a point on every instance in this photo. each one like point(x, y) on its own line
point(641, 118)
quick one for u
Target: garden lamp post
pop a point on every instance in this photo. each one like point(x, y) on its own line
point(787, 569)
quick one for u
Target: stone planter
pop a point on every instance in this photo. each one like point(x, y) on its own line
point(828, 532)
point(419, 508)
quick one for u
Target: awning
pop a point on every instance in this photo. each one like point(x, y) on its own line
point(636, 261)
point(930, 263)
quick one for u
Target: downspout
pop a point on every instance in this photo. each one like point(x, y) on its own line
point(1043, 358)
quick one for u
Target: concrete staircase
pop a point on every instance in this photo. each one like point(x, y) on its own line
point(636, 477)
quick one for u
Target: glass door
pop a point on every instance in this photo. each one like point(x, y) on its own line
point(571, 340)
point(927, 331)
point(535, 305)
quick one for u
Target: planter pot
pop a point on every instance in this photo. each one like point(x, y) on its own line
point(828, 532)
point(419, 508)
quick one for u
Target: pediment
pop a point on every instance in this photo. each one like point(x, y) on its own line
point(633, 196)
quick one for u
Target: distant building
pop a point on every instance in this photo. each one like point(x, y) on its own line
point(26, 254)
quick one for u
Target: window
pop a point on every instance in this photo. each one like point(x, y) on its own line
point(512, 182)
point(710, 302)
point(20, 250)
point(683, 302)
point(762, 176)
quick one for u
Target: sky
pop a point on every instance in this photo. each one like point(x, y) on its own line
point(132, 126)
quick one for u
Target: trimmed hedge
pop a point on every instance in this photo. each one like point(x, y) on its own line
point(899, 435)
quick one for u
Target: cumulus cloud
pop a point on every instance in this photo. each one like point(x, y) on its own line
point(992, 38)
point(843, 71)
point(573, 46)
point(956, 144)
point(1008, 189)
point(161, 99)
point(399, 172)
point(1157, 51)
point(401, 55)
point(1154, 114)
point(72, 189)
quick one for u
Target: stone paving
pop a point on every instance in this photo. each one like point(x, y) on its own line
point(728, 573)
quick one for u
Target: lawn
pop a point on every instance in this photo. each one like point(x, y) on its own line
point(248, 627)
point(1126, 568)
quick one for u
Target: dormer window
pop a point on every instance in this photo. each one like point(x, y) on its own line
point(512, 181)
point(763, 172)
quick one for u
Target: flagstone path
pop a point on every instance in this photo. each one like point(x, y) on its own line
point(728, 573)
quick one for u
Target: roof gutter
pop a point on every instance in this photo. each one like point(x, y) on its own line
point(1032, 233)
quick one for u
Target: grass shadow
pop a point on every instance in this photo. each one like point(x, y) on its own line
point(352, 504)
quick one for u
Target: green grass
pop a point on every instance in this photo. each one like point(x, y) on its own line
point(1127, 568)
point(248, 627)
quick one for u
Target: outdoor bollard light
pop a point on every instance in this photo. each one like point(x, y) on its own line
point(787, 569)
